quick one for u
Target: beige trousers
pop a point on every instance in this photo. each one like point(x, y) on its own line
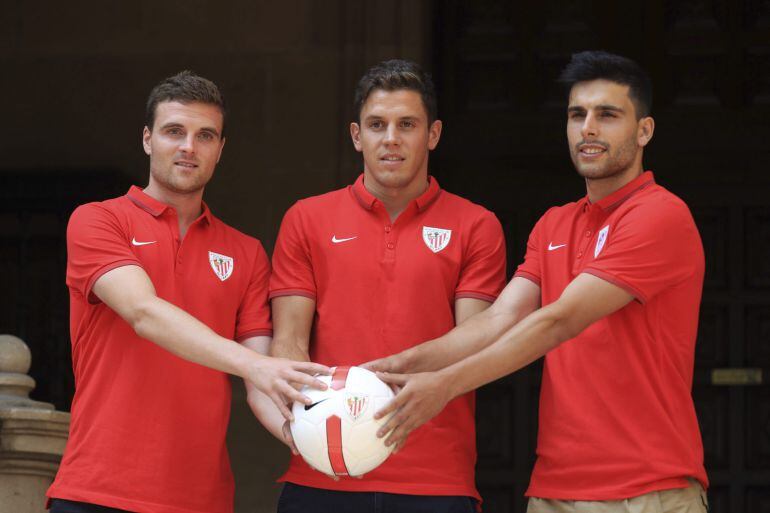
point(681, 500)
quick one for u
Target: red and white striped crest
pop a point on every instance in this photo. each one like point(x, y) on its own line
point(436, 238)
point(356, 404)
point(221, 264)
point(601, 240)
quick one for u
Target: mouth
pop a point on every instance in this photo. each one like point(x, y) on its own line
point(185, 164)
point(591, 150)
point(392, 158)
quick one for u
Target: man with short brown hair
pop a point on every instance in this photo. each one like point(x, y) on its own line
point(160, 290)
point(374, 268)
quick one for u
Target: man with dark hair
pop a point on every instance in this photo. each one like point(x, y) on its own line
point(377, 267)
point(609, 291)
point(160, 290)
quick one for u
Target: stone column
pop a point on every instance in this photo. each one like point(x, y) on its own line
point(32, 434)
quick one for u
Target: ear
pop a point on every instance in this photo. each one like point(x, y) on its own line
point(645, 131)
point(355, 135)
point(221, 147)
point(434, 134)
point(146, 134)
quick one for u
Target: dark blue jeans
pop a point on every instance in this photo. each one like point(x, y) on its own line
point(65, 506)
point(303, 499)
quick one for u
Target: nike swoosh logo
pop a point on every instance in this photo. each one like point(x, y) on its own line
point(137, 243)
point(551, 247)
point(337, 241)
point(308, 406)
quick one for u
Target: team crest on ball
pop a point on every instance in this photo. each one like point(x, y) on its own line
point(356, 404)
point(221, 264)
point(600, 240)
point(436, 238)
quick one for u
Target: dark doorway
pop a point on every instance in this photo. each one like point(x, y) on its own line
point(504, 146)
point(33, 255)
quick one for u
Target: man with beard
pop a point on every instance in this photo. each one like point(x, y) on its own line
point(160, 291)
point(609, 291)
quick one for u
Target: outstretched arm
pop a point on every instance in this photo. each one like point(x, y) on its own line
point(586, 300)
point(517, 300)
point(130, 293)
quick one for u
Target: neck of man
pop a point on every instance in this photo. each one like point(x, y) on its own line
point(600, 188)
point(397, 199)
point(188, 205)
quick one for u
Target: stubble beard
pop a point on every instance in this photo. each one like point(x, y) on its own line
point(617, 162)
point(178, 184)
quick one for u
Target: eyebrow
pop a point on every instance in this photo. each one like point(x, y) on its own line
point(378, 117)
point(179, 125)
point(603, 106)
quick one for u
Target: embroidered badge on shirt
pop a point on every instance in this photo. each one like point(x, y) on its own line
point(436, 238)
point(600, 240)
point(221, 264)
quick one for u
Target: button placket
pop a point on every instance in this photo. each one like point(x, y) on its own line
point(390, 243)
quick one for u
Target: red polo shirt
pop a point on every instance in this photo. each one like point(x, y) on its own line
point(148, 428)
point(382, 287)
point(616, 416)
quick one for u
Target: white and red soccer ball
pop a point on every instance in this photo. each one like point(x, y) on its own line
point(337, 433)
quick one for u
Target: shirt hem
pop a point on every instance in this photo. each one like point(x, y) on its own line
point(531, 277)
point(618, 282)
point(383, 486)
point(92, 298)
point(260, 332)
point(475, 295)
point(292, 292)
point(608, 495)
point(112, 501)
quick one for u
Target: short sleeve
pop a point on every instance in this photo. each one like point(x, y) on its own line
point(96, 244)
point(531, 267)
point(652, 247)
point(254, 310)
point(482, 275)
point(292, 264)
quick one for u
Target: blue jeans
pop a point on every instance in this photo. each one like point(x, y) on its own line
point(303, 499)
point(65, 506)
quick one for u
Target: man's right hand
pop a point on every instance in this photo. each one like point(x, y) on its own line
point(280, 379)
point(394, 364)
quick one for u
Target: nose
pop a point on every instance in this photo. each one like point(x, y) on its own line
point(391, 135)
point(590, 128)
point(188, 144)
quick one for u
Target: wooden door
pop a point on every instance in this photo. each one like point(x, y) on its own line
point(504, 146)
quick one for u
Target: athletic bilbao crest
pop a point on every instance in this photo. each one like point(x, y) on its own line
point(436, 238)
point(221, 264)
point(356, 404)
point(600, 240)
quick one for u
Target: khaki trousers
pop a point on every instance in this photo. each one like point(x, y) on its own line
point(681, 500)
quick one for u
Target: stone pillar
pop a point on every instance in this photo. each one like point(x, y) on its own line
point(32, 434)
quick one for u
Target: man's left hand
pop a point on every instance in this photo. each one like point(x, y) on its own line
point(421, 398)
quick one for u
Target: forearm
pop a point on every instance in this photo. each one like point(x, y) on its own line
point(464, 340)
point(519, 346)
point(183, 335)
point(292, 323)
point(290, 347)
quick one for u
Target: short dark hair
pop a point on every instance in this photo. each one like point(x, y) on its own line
point(185, 87)
point(595, 65)
point(394, 75)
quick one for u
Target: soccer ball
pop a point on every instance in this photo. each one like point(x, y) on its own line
point(337, 434)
